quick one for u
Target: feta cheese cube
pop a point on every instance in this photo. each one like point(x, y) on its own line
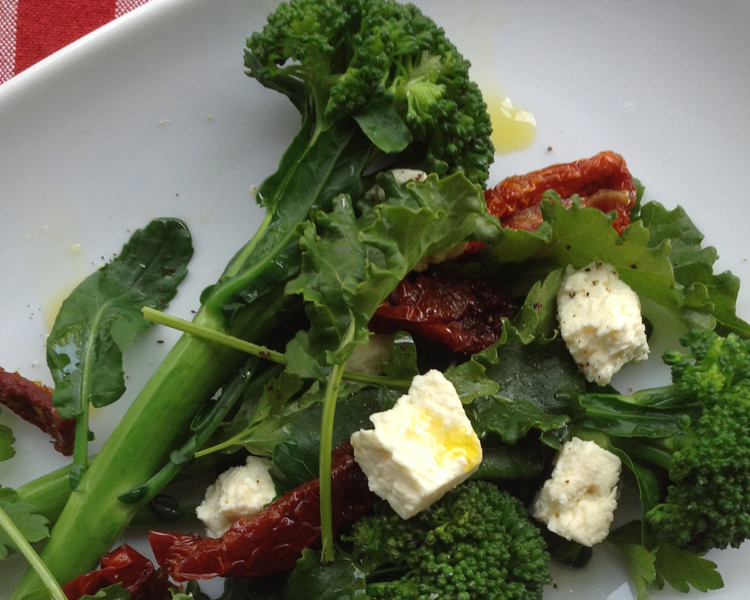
point(369, 358)
point(238, 492)
point(600, 321)
point(421, 448)
point(579, 500)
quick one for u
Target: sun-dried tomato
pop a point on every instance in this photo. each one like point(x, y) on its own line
point(463, 314)
point(602, 182)
point(124, 565)
point(33, 403)
point(273, 540)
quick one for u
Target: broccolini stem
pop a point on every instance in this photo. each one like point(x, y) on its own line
point(654, 451)
point(49, 493)
point(230, 393)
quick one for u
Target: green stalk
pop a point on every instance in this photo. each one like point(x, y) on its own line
point(50, 492)
point(93, 518)
point(47, 579)
point(197, 330)
point(324, 468)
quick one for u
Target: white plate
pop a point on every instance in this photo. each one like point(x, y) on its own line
point(153, 116)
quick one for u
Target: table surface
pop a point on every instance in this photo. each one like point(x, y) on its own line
point(31, 30)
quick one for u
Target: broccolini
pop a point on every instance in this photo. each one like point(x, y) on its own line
point(475, 543)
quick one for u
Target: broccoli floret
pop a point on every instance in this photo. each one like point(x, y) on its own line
point(698, 431)
point(475, 543)
point(387, 66)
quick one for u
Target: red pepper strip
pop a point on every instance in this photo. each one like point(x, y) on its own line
point(273, 540)
point(123, 565)
point(33, 403)
point(463, 314)
point(602, 181)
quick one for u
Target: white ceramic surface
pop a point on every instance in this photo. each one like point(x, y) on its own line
point(153, 116)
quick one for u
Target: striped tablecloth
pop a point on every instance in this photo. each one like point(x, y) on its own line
point(30, 30)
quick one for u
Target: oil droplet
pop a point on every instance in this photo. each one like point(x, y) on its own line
point(513, 128)
point(53, 302)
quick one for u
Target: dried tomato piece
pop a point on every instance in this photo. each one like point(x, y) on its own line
point(124, 565)
point(273, 540)
point(463, 314)
point(602, 182)
point(33, 403)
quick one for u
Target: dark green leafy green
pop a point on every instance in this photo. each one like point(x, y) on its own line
point(510, 419)
point(710, 300)
point(578, 236)
point(24, 516)
point(333, 581)
point(102, 316)
point(384, 127)
point(522, 460)
point(622, 419)
point(402, 363)
point(375, 252)
point(296, 458)
point(264, 420)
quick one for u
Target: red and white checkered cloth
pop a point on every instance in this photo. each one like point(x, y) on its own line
point(30, 30)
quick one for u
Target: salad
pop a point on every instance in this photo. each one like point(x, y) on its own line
point(84, 467)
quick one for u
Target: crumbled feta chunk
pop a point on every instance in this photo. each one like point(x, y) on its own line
point(579, 500)
point(421, 448)
point(403, 176)
point(368, 358)
point(600, 321)
point(238, 492)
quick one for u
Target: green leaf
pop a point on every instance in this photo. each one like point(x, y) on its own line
point(375, 252)
point(111, 592)
point(537, 371)
point(710, 299)
point(537, 317)
point(384, 127)
point(402, 363)
point(578, 236)
point(310, 176)
point(510, 419)
point(682, 570)
point(612, 416)
point(651, 568)
point(103, 315)
point(24, 516)
point(275, 411)
point(522, 460)
point(338, 580)
point(641, 561)
point(6, 443)
point(296, 458)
